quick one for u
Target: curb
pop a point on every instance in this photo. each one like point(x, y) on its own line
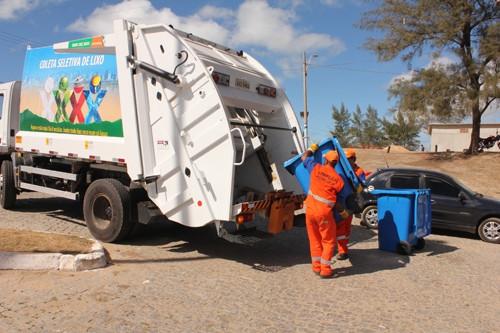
point(55, 261)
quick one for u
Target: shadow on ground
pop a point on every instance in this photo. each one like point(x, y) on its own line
point(287, 249)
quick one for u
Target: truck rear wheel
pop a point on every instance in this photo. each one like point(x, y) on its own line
point(106, 210)
point(7, 188)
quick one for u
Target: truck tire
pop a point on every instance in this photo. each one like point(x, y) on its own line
point(7, 188)
point(106, 210)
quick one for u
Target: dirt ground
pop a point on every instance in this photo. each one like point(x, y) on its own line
point(477, 172)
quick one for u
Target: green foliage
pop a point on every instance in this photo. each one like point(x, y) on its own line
point(402, 132)
point(367, 130)
point(28, 121)
point(372, 129)
point(342, 119)
point(467, 31)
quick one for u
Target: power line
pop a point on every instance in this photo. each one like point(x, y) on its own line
point(356, 70)
point(18, 40)
point(338, 67)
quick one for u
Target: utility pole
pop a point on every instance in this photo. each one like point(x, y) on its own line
point(305, 113)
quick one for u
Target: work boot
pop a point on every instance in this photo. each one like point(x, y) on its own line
point(342, 256)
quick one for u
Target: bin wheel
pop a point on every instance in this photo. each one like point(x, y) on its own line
point(420, 244)
point(404, 247)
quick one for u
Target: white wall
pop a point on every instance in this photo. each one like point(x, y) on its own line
point(457, 139)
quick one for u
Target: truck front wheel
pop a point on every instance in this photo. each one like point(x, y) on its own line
point(106, 210)
point(7, 188)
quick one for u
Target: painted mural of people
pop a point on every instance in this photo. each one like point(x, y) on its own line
point(47, 98)
point(93, 104)
point(62, 96)
point(77, 100)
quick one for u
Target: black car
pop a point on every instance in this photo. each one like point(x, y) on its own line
point(454, 206)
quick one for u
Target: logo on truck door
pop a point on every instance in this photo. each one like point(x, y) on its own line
point(70, 94)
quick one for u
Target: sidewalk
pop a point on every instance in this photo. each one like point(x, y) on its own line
point(31, 213)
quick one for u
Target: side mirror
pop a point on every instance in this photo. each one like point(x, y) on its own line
point(461, 196)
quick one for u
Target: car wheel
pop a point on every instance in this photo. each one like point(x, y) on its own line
point(369, 217)
point(489, 230)
point(403, 247)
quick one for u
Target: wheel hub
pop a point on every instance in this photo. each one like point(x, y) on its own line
point(492, 230)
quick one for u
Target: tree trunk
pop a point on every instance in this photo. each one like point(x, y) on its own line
point(476, 127)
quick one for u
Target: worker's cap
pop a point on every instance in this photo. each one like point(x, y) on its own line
point(349, 153)
point(331, 156)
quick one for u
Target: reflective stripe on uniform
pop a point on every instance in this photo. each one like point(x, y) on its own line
point(342, 237)
point(326, 262)
point(317, 197)
point(316, 259)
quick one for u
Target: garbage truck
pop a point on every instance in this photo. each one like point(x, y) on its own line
point(149, 123)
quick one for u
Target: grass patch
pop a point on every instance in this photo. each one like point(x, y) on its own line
point(32, 241)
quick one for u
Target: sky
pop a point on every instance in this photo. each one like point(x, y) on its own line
point(275, 32)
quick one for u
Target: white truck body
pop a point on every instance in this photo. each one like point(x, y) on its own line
point(192, 130)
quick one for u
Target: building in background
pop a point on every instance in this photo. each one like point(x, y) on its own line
point(456, 137)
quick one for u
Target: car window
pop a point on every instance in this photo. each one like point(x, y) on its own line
point(403, 181)
point(439, 187)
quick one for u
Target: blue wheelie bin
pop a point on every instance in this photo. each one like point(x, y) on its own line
point(343, 168)
point(404, 219)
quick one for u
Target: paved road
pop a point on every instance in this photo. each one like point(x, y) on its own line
point(175, 279)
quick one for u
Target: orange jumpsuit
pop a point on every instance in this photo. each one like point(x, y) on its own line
point(344, 226)
point(325, 183)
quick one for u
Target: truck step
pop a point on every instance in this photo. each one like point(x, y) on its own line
point(247, 236)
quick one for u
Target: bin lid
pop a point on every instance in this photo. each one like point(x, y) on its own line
point(398, 191)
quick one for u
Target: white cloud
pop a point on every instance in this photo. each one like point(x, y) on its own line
point(267, 31)
point(211, 12)
point(262, 25)
point(100, 21)
point(11, 9)
point(434, 63)
point(402, 77)
point(142, 11)
point(336, 3)
point(441, 61)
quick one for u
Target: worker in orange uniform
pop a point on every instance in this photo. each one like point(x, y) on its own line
point(325, 184)
point(344, 223)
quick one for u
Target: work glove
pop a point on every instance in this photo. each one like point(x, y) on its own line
point(360, 188)
point(344, 214)
point(313, 147)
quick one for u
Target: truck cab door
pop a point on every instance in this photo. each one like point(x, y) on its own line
point(9, 115)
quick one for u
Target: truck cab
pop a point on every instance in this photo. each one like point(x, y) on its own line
point(10, 93)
